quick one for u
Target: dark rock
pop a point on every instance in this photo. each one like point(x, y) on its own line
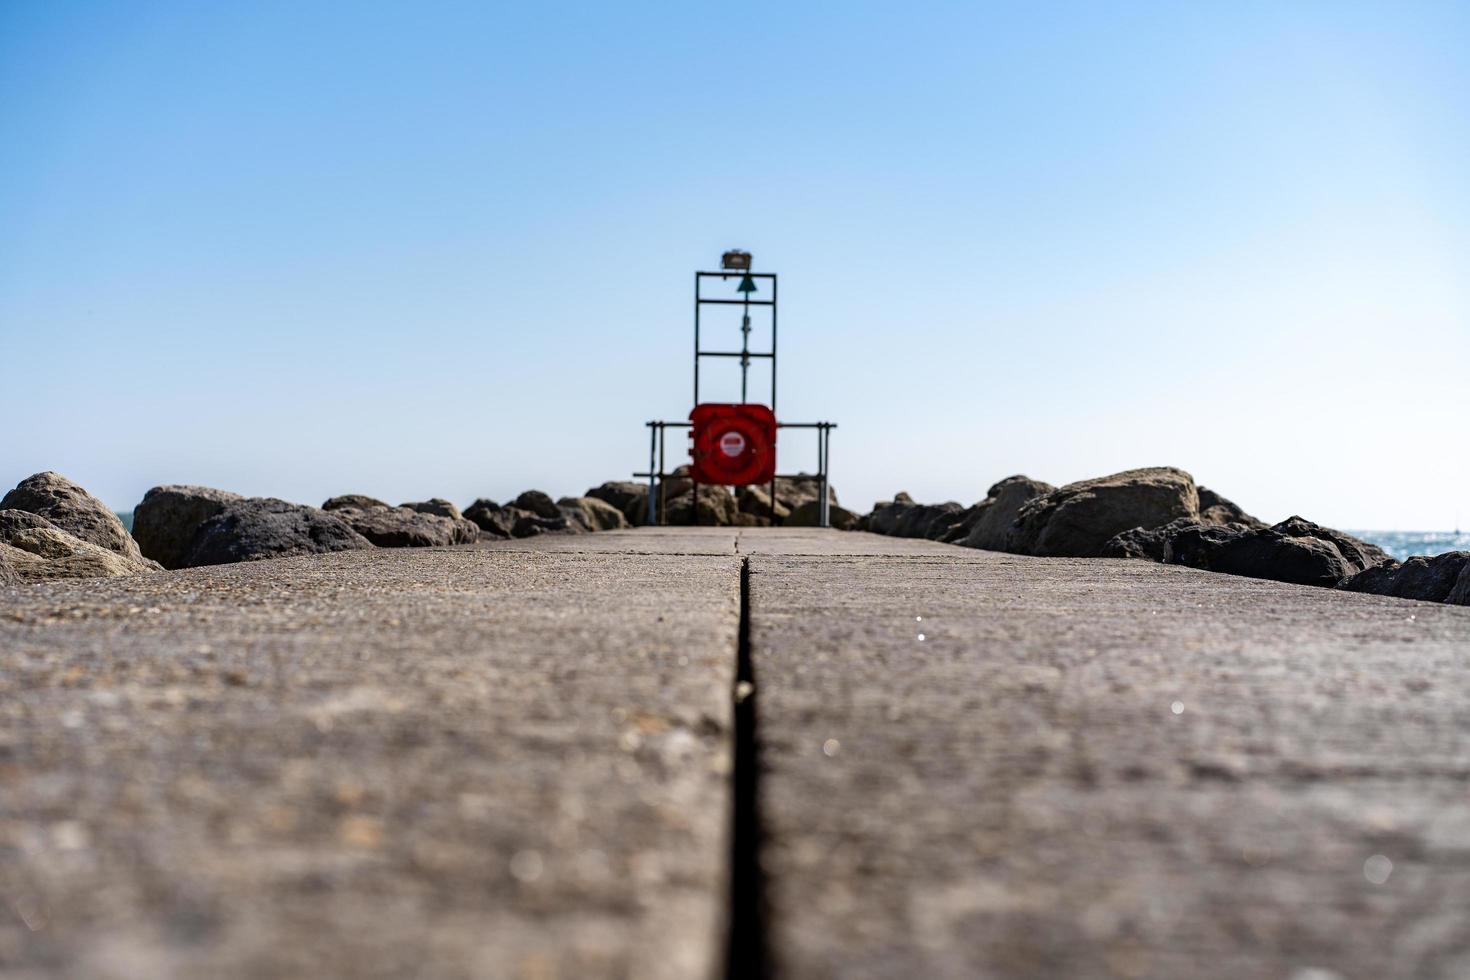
point(436, 506)
point(716, 507)
point(628, 497)
point(999, 510)
point(1460, 594)
point(1148, 543)
point(884, 517)
point(487, 516)
point(529, 524)
point(809, 514)
point(399, 527)
point(756, 501)
point(1429, 579)
point(916, 520)
point(1215, 509)
point(593, 514)
point(793, 491)
point(74, 511)
point(537, 503)
point(256, 528)
point(1078, 519)
point(356, 501)
point(166, 521)
point(1295, 550)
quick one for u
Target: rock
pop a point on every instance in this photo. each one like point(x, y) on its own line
point(593, 514)
point(487, 516)
point(33, 549)
point(537, 503)
point(1147, 543)
point(716, 507)
point(793, 491)
point(399, 527)
point(916, 521)
point(354, 500)
point(1428, 579)
point(756, 501)
point(628, 497)
point(75, 511)
point(884, 517)
point(1295, 550)
point(256, 528)
point(1000, 508)
point(166, 521)
point(1215, 509)
point(809, 513)
point(437, 506)
point(529, 524)
point(1077, 520)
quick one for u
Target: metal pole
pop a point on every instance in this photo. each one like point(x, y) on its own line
point(773, 344)
point(826, 517)
point(652, 445)
point(662, 497)
point(744, 345)
point(696, 338)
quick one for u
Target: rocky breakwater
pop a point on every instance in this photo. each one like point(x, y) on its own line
point(51, 528)
point(797, 503)
point(1160, 514)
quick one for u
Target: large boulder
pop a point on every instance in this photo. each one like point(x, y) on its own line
point(537, 503)
point(1077, 520)
point(628, 497)
point(793, 491)
point(488, 516)
point(756, 502)
point(1215, 509)
point(918, 521)
point(399, 527)
point(528, 524)
point(358, 501)
point(166, 521)
point(1295, 550)
point(255, 528)
point(716, 506)
point(73, 510)
point(885, 515)
point(1150, 543)
point(1442, 578)
point(437, 506)
point(809, 514)
point(34, 549)
point(990, 528)
point(593, 514)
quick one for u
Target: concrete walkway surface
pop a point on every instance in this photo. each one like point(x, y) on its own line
point(524, 759)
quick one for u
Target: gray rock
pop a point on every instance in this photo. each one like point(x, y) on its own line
point(593, 514)
point(999, 510)
point(628, 497)
point(399, 527)
point(355, 500)
point(716, 506)
point(74, 511)
point(33, 549)
point(793, 491)
point(1151, 544)
point(165, 523)
point(1295, 550)
point(437, 506)
point(809, 514)
point(1077, 520)
point(256, 528)
point(537, 503)
point(1215, 509)
point(885, 515)
point(1428, 579)
point(486, 514)
point(529, 524)
point(916, 521)
point(756, 501)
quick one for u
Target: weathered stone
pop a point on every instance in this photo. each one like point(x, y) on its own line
point(757, 501)
point(1295, 550)
point(809, 515)
point(1078, 519)
point(793, 491)
point(437, 506)
point(593, 514)
point(885, 515)
point(74, 511)
point(716, 507)
point(916, 521)
point(486, 514)
point(399, 527)
point(1151, 544)
point(32, 549)
point(1000, 508)
point(537, 503)
point(1427, 579)
point(357, 501)
point(628, 497)
point(1215, 509)
point(528, 524)
point(257, 528)
point(168, 517)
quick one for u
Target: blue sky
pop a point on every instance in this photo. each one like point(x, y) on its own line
point(445, 249)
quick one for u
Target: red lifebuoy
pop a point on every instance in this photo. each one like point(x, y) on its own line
point(734, 445)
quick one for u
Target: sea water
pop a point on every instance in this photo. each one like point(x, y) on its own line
point(1402, 544)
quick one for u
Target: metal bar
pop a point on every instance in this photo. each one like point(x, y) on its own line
point(734, 353)
point(773, 343)
point(736, 273)
point(736, 302)
point(662, 509)
point(825, 519)
point(806, 425)
point(653, 431)
point(696, 338)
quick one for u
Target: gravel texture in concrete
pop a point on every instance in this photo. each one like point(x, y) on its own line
point(437, 763)
point(981, 765)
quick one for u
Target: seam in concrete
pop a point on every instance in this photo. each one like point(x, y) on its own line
point(747, 952)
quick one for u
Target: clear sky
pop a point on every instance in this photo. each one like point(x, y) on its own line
point(445, 249)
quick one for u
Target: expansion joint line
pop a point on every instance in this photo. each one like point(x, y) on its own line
point(746, 953)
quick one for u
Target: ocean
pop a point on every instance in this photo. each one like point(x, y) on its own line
point(1402, 544)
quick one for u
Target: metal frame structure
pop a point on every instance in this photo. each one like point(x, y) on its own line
point(657, 429)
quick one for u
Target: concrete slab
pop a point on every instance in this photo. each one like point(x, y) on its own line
point(447, 763)
point(1106, 769)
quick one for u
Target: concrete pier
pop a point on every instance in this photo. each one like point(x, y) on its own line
point(525, 759)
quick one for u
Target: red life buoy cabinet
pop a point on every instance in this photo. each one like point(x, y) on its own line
point(734, 445)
